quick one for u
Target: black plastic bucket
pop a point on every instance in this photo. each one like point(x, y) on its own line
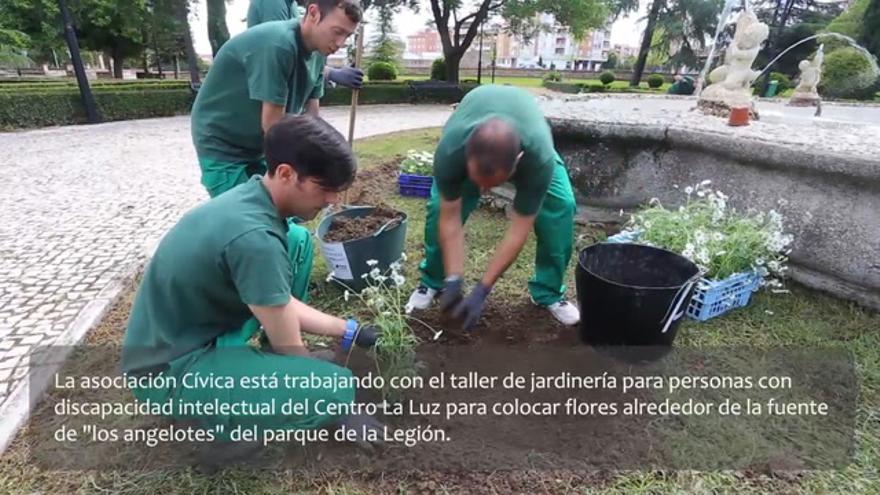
point(632, 295)
point(348, 260)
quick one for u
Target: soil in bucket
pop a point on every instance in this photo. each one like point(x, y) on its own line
point(345, 228)
point(632, 295)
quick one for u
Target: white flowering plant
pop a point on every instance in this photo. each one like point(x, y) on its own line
point(418, 163)
point(383, 299)
point(720, 240)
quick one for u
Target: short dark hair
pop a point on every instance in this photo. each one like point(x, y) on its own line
point(352, 8)
point(313, 148)
point(494, 144)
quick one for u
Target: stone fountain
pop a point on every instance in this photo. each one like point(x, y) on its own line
point(730, 83)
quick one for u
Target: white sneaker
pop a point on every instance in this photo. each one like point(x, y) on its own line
point(565, 312)
point(421, 298)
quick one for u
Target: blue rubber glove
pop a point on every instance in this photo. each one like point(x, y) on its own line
point(451, 294)
point(470, 308)
point(350, 77)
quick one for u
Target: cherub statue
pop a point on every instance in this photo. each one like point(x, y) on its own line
point(731, 82)
point(805, 93)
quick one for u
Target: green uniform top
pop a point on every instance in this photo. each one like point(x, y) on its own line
point(267, 63)
point(220, 257)
point(260, 11)
point(534, 171)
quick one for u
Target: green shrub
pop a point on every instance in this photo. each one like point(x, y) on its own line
point(783, 80)
point(655, 81)
point(846, 73)
point(607, 77)
point(552, 76)
point(438, 70)
point(594, 88)
point(382, 71)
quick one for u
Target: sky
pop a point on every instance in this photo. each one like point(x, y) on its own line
point(625, 31)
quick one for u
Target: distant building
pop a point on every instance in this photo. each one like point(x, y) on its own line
point(555, 48)
point(624, 51)
point(427, 40)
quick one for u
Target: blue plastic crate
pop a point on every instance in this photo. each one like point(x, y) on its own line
point(711, 298)
point(715, 297)
point(415, 185)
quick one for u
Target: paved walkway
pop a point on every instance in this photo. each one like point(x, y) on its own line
point(82, 204)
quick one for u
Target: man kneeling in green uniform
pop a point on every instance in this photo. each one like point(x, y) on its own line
point(223, 271)
point(257, 77)
point(497, 134)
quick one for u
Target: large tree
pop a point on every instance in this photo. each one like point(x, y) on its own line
point(385, 46)
point(40, 21)
point(218, 33)
point(112, 26)
point(676, 31)
point(871, 30)
point(458, 24)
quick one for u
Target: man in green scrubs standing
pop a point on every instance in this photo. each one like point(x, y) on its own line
point(498, 134)
point(260, 11)
point(257, 77)
point(223, 271)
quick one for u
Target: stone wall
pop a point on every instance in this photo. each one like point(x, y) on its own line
point(830, 200)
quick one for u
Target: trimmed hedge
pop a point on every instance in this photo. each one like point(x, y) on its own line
point(49, 106)
point(607, 77)
point(564, 87)
point(64, 107)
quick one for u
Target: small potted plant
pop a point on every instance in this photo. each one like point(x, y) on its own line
point(738, 252)
point(416, 174)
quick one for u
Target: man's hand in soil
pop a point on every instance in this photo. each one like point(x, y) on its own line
point(451, 294)
point(350, 77)
point(367, 336)
point(471, 307)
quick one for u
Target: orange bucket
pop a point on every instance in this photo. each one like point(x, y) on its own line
point(739, 116)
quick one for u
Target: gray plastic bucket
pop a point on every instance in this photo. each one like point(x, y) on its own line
point(348, 260)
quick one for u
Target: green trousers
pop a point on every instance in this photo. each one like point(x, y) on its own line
point(219, 177)
point(231, 356)
point(554, 229)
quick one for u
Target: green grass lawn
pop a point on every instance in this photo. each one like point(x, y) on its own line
point(802, 318)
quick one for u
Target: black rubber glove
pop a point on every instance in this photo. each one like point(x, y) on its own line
point(367, 336)
point(350, 77)
point(451, 294)
point(471, 307)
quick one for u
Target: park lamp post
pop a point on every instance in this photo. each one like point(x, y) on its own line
point(85, 92)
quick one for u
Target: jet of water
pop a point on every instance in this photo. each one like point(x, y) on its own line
point(875, 70)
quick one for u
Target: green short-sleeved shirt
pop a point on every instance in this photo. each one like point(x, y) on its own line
point(517, 106)
point(267, 63)
point(220, 257)
point(260, 11)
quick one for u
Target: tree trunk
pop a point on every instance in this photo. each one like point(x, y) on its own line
point(646, 43)
point(218, 33)
point(453, 62)
point(191, 57)
point(118, 59)
point(176, 67)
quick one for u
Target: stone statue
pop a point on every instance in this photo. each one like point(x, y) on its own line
point(730, 83)
point(805, 94)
